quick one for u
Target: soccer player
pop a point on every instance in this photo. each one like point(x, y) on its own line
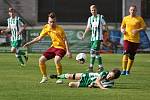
point(91, 79)
point(58, 48)
point(131, 27)
point(95, 23)
point(16, 26)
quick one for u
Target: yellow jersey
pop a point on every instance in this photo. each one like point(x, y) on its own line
point(131, 23)
point(57, 36)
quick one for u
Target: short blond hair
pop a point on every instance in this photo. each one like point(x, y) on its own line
point(92, 6)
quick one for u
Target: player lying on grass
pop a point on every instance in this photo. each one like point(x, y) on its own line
point(102, 80)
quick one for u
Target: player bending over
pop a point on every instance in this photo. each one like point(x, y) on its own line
point(101, 80)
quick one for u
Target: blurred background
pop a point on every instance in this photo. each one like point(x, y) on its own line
point(72, 15)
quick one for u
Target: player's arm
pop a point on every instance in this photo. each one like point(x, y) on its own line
point(23, 26)
point(142, 28)
point(35, 40)
point(87, 29)
point(5, 30)
point(69, 54)
point(123, 26)
point(98, 83)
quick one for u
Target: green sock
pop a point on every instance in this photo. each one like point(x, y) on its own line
point(92, 60)
point(99, 59)
point(20, 59)
point(21, 53)
point(62, 76)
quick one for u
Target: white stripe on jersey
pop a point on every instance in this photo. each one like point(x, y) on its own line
point(14, 24)
point(96, 24)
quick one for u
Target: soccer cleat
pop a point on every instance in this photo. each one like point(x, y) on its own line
point(22, 65)
point(26, 56)
point(59, 81)
point(127, 73)
point(100, 69)
point(44, 80)
point(52, 76)
point(90, 69)
point(123, 73)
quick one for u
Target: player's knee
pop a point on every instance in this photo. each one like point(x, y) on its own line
point(92, 52)
point(42, 59)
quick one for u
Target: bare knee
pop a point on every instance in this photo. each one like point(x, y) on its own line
point(42, 59)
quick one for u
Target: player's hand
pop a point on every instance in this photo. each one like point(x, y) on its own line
point(69, 54)
point(2, 31)
point(82, 37)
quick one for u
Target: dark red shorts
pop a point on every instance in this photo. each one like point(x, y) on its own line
point(130, 47)
point(52, 52)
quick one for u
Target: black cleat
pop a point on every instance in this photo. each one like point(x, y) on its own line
point(52, 76)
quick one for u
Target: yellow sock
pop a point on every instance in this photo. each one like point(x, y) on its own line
point(124, 62)
point(43, 69)
point(129, 65)
point(59, 69)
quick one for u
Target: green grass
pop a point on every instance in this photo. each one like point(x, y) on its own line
point(23, 83)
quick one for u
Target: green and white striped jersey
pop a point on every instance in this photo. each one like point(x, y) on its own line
point(96, 24)
point(15, 26)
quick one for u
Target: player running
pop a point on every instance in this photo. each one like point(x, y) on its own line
point(16, 26)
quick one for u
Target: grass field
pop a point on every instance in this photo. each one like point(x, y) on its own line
point(23, 83)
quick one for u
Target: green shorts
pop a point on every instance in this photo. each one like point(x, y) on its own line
point(95, 45)
point(16, 44)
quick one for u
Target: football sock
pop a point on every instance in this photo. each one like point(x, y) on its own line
point(129, 65)
point(59, 69)
point(92, 60)
point(20, 59)
point(99, 59)
point(21, 53)
point(62, 76)
point(43, 69)
point(124, 62)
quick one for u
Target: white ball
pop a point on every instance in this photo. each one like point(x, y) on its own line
point(80, 58)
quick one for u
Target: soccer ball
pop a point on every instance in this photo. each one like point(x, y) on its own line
point(108, 84)
point(80, 58)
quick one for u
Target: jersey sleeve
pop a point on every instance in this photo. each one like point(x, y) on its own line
point(102, 20)
point(44, 31)
point(21, 22)
point(123, 24)
point(142, 22)
point(8, 24)
point(103, 74)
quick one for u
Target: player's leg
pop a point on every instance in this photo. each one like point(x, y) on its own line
point(48, 54)
point(20, 52)
point(98, 57)
point(15, 49)
point(60, 53)
point(125, 57)
point(132, 53)
point(42, 67)
point(70, 76)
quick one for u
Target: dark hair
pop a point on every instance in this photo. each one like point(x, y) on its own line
point(11, 9)
point(52, 15)
point(117, 73)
